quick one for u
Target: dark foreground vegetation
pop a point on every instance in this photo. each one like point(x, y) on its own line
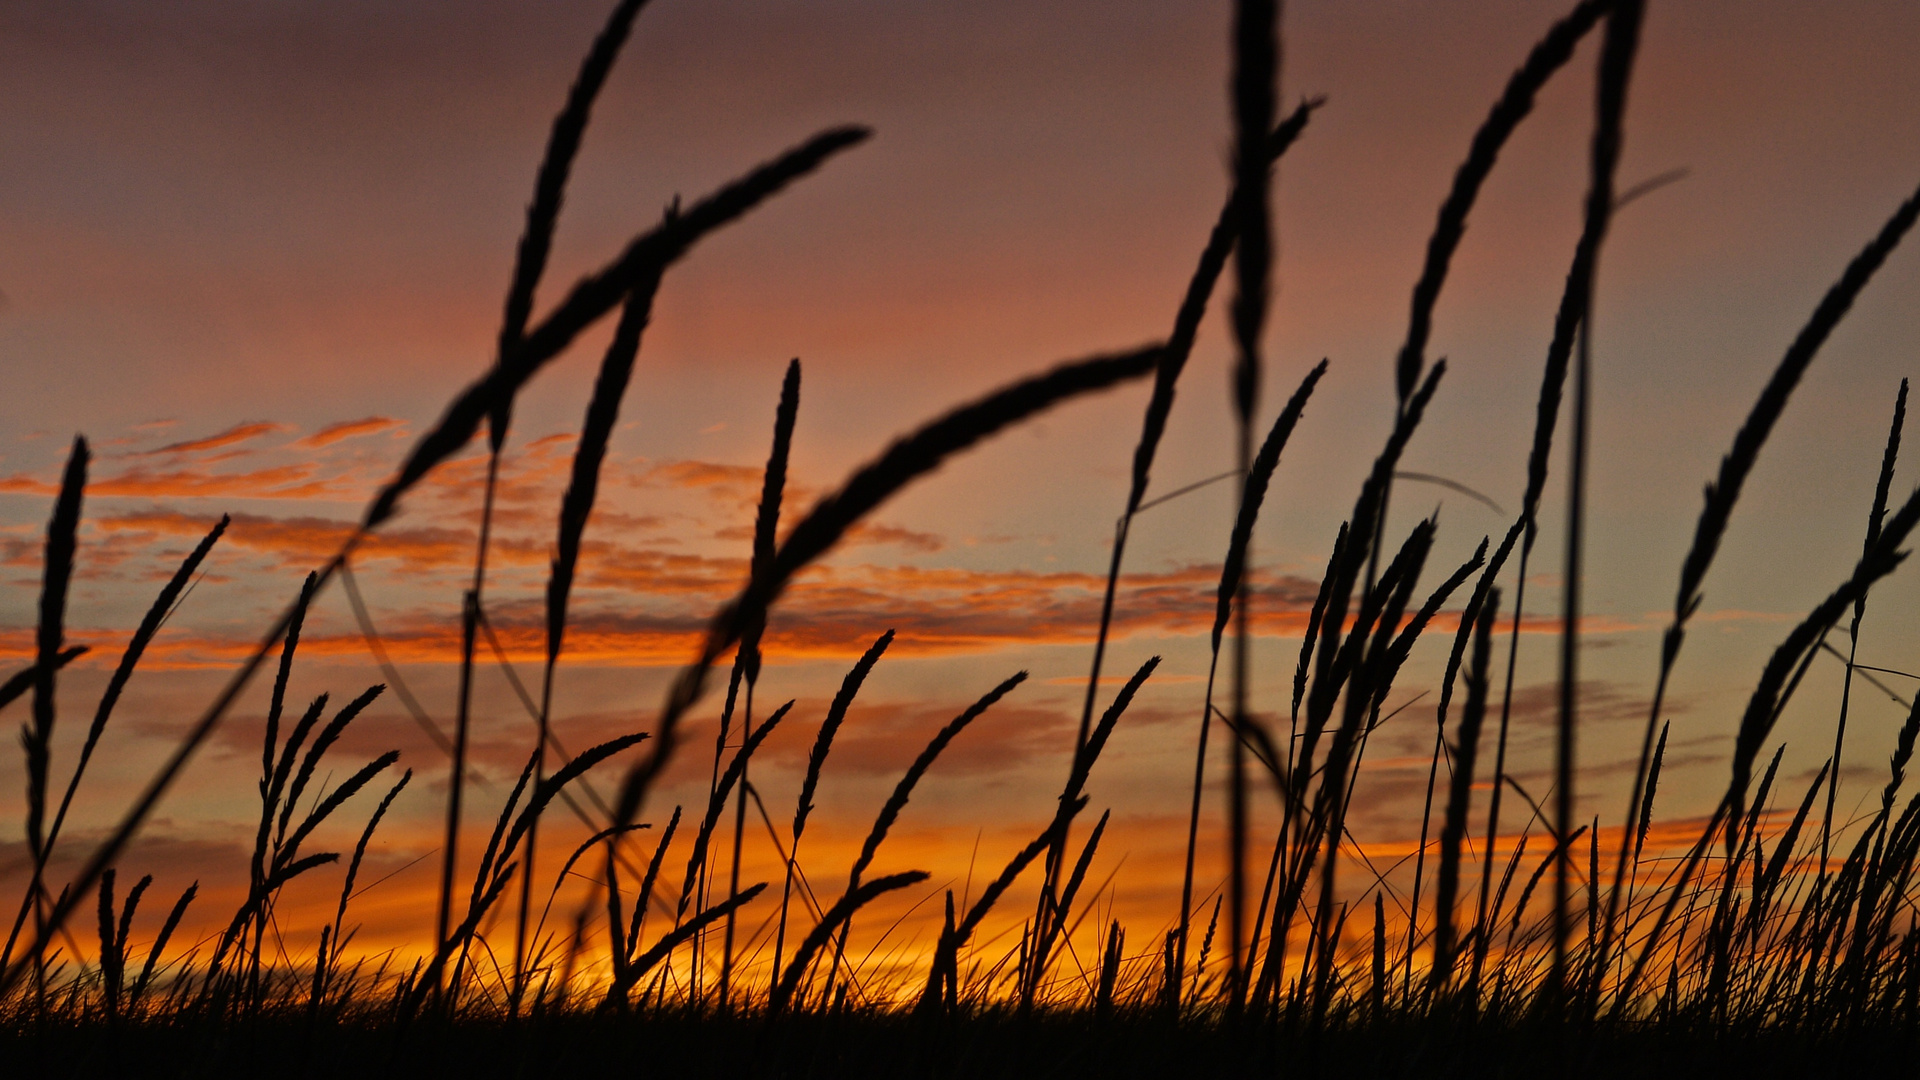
point(996, 1044)
point(1781, 942)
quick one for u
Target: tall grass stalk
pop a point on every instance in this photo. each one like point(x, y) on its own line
point(1460, 794)
point(1227, 596)
point(816, 760)
point(536, 242)
point(766, 523)
point(1516, 101)
point(897, 801)
point(576, 507)
point(1051, 920)
point(1887, 460)
point(1256, 80)
point(1617, 51)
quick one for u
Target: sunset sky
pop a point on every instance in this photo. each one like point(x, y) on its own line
point(251, 250)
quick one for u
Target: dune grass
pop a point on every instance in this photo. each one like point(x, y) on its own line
point(1731, 957)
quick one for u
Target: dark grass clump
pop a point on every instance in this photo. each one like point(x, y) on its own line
point(998, 1043)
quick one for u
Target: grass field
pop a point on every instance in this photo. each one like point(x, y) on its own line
point(1773, 936)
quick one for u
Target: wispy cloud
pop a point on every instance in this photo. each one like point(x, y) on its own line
point(897, 536)
point(273, 482)
point(300, 541)
point(239, 433)
point(704, 474)
point(348, 429)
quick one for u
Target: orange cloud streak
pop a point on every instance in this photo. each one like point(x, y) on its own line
point(347, 429)
point(237, 434)
point(274, 482)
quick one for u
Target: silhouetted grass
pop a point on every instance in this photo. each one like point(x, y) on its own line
point(1617, 51)
point(1751, 954)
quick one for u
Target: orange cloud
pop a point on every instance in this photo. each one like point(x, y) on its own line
point(236, 434)
point(866, 533)
point(831, 613)
point(895, 535)
point(721, 480)
point(347, 429)
point(704, 474)
point(276, 482)
point(305, 540)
